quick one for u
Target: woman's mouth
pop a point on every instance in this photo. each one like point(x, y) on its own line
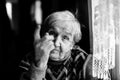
point(55, 51)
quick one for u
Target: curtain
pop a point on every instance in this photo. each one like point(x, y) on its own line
point(106, 38)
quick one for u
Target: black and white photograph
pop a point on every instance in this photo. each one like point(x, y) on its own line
point(60, 39)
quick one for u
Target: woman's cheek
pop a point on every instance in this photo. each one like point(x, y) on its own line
point(66, 48)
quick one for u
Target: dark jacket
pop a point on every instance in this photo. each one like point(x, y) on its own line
point(77, 67)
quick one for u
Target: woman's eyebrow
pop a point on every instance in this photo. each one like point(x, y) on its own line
point(52, 29)
point(68, 33)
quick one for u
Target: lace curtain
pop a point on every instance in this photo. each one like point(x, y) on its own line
point(106, 36)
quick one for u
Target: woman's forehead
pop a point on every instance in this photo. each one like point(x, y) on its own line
point(60, 30)
point(63, 26)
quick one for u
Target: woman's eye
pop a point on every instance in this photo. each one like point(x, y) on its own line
point(66, 37)
point(51, 33)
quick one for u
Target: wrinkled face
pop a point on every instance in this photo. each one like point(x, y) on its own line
point(63, 41)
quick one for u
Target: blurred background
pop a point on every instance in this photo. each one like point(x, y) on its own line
point(17, 33)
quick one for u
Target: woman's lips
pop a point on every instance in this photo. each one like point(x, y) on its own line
point(55, 51)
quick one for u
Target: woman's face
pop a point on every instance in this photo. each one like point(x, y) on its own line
point(63, 42)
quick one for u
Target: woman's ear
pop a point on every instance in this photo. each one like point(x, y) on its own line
point(72, 45)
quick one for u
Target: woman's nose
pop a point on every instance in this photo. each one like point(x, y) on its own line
point(57, 41)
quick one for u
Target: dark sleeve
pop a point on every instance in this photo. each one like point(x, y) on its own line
point(24, 67)
point(87, 69)
point(29, 71)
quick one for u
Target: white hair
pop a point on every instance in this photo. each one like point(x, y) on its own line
point(57, 18)
point(68, 18)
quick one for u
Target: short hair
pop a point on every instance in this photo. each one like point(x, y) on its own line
point(63, 16)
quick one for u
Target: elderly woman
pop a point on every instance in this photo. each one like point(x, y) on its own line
point(56, 57)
